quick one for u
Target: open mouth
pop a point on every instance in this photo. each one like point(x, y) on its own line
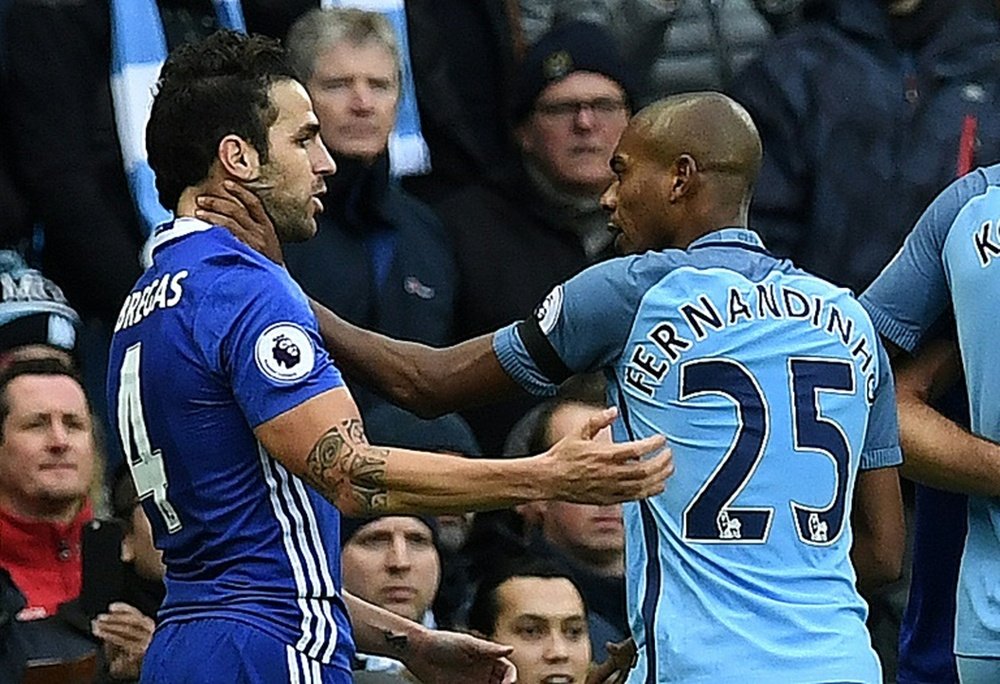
point(559, 679)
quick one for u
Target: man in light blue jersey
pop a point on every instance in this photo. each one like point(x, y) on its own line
point(770, 384)
point(238, 429)
point(949, 261)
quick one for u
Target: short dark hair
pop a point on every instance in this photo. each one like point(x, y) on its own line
point(206, 91)
point(40, 366)
point(485, 608)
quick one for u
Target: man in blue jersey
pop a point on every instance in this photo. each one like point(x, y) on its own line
point(949, 262)
point(237, 427)
point(770, 384)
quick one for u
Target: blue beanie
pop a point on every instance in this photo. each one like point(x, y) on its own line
point(570, 46)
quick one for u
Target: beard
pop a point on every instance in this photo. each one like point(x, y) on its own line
point(289, 213)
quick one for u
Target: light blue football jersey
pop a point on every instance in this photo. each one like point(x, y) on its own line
point(773, 391)
point(213, 341)
point(951, 259)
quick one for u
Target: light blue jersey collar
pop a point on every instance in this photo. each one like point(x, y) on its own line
point(731, 237)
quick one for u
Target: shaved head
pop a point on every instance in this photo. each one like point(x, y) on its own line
point(685, 166)
point(710, 127)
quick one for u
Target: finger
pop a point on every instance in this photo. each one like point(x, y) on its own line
point(222, 220)
point(635, 450)
point(249, 200)
point(121, 608)
point(226, 207)
point(598, 422)
point(510, 676)
point(488, 649)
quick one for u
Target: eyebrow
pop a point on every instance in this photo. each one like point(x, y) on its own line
point(308, 129)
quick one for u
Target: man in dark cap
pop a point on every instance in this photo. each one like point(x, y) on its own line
point(571, 104)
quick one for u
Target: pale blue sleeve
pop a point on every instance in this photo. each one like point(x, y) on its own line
point(581, 326)
point(258, 331)
point(912, 291)
point(881, 448)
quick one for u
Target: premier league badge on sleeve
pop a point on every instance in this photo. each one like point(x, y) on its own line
point(284, 352)
point(548, 311)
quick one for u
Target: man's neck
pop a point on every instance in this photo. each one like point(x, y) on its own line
point(59, 512)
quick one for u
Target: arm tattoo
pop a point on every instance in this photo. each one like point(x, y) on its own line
point(397, 642)
point(343, 458)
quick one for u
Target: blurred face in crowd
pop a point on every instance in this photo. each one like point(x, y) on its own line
point(573, 129)
point(595, 535)
point(138, 549)
point(392, 562)
point(355, 89)
point(291, 182)
point(545, 621)
point(47, 450)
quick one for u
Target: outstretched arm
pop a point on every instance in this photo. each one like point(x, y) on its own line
point(938, 451)
point(323, 441)
point(436, 657)
point(424, 380)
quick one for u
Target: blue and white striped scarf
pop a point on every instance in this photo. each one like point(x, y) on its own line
point(408, 152)
point(138, 50)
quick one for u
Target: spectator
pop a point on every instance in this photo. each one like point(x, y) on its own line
point(869, 104)
point(47, 471)
point(35, 318)
point(126, 628)
point(380, 258)
point(538, 610)
point(393, 563)
point(673, 45)
point(589, 541)
point(572, 105)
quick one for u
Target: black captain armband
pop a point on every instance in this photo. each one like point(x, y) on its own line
point(542, 352)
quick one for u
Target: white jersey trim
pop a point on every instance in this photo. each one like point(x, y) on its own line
point(309, 566)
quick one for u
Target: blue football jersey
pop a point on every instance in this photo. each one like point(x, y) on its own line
point(773, 391)
point(951, 258)
point(213, 341)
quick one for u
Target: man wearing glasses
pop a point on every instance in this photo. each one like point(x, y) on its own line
point(570, 103)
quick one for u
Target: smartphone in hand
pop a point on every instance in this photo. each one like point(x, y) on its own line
point(103, 569)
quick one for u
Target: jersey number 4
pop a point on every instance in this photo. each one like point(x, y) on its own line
point(145, 462)
point(711, 517)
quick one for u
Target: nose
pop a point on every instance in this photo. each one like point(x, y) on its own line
point(584, 119)
point(362, 101)
point(322, 162)
point(556, 648)
point(399, 554)
point(609, 199)
point(58, 437)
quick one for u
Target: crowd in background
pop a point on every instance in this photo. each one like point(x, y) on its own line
point(472, 140)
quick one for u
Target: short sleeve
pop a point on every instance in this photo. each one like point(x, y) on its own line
point(881, 448)
point(580, 326)
point(258, 331)
point(912, 291)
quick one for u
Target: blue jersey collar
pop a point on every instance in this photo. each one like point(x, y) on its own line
point(731, 237)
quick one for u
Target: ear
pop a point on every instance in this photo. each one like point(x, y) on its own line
point(532, 513)
point(522, 137)
point(238, 158)
point(128, 548)
point(683, 178)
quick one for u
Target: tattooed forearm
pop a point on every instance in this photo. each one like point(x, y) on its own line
point(342, 459)
point(396, 642)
